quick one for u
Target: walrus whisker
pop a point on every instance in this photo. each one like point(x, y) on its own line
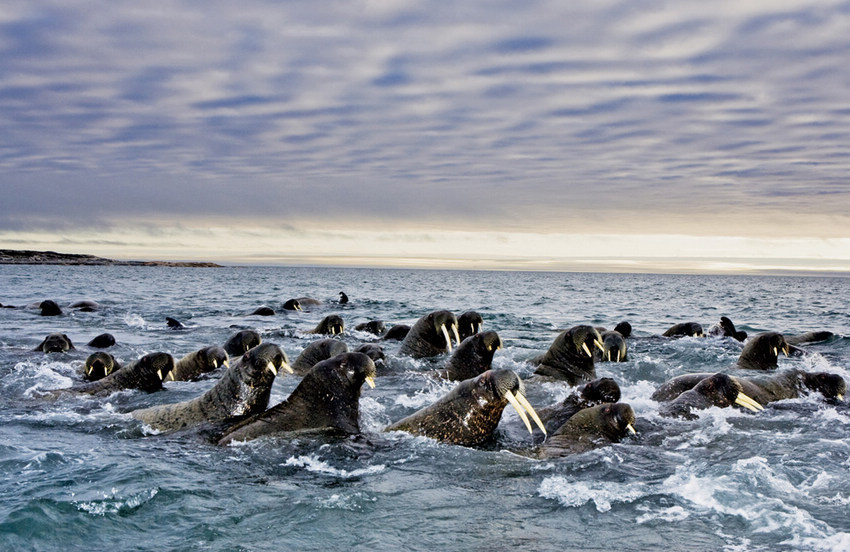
point(519, 410)
point(530, 409)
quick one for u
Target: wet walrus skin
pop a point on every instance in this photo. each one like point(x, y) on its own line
point(469, 414)
point(316, 352)
point(431, 335)
point(570, 357)
point(590, 428)
point(144, 374)
point(242, 391)
point(199, 362)
point(328, 398)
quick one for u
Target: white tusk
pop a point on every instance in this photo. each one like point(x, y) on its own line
point(371, 381)
point(609, 356)
point(519, 410)
point(454, 331)
point(215, 363)
point(446, 335)
point(271, 368)
point(170, 376)
point(618, 355)
point(840, 397)
point(775, 352)
point(631, 429)
point(159, 374)
point(530, 409)
point(599, 344)
point(227, 364)
point(748, 403)
point(586, 350)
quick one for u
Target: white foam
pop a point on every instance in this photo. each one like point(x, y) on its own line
point(601, 493)
point(113, 504)
point(134, 320)
point(314, 464)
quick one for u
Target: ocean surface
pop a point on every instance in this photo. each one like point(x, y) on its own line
point(79, 473)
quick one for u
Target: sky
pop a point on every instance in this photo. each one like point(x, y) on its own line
point(607, 135)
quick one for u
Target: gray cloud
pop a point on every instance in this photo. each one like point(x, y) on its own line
point(481, 113)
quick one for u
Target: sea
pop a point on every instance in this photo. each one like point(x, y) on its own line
point(79, 473)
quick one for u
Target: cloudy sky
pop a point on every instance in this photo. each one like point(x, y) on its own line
point(616, 135)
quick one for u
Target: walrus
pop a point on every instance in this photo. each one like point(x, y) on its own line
point(307, 302)
point(99, 365)
point(373, 351)
point(429, 336)
point(614, 347)
point(332, 324)
point(85, 305)
point(808, 337)
point(761, 352)
point(292, 304)
point(49, 308)
point(624, 328)
point(686, 329)
point(243, 390)
point(598, 391)
point(316, 352)
point(173, 323)
point(343, 298)
point(376, 327)
point(55, 343)
point(789, 384)
point(327, 399)
point(397, 333)
point(469, 414)
point(472, 357)
point(102, 341)
point(469, 323)
point(570, 357)
point(241, 342)
point(145, 374)
point(716, 390)
point(726, 328)
point(197, 363)
point(588, 429)
point(262, 311)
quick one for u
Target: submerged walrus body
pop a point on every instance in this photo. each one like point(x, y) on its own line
point(243, 390)
point(145, 374)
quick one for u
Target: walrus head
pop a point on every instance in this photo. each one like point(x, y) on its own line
point(241, 342)
point(55, 343)
point(688, 329)
point(831, 386)
point(262, 363)
point(469, 323)
point(332, 324)
point(570, 357)
point(292, 304)
point(624, 328)
point(99, 365)
point(151, 369)
point(723, 391)
point(102, 341)
point(614, 347)
point(473, 356)
point(616, 421)
point(441, 323)
point(505, 385)
point(762, 351)
point(49, 308)
point(601, 390)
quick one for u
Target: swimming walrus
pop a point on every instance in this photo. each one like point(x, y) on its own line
point(241, 342)
point(614, 347)
point(469, 323)
point(376, 327)
point(144, 374)
point(726, 328)
point(102, 341)
point(685, 329)
point(472, 357)
point(328, 399)
point(718, 390)
point(761, 352)
point(49, 308)
point(593, 393)
point(55, 343)
point(469, 414)
point(429, 336)
point(316, 352)
point(99, 365)
point(292, 304)
point(197, 363)
point(570, 357)
point(588, 429)
point(789, 384)
point(396, 333)
point(332, 324)
point(242, 391)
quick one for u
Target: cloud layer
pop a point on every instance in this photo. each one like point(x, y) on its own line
point(530, 117)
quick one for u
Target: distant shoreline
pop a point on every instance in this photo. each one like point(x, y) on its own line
point(28, 257)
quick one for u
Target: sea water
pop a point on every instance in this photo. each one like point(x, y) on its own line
point(79, 473)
